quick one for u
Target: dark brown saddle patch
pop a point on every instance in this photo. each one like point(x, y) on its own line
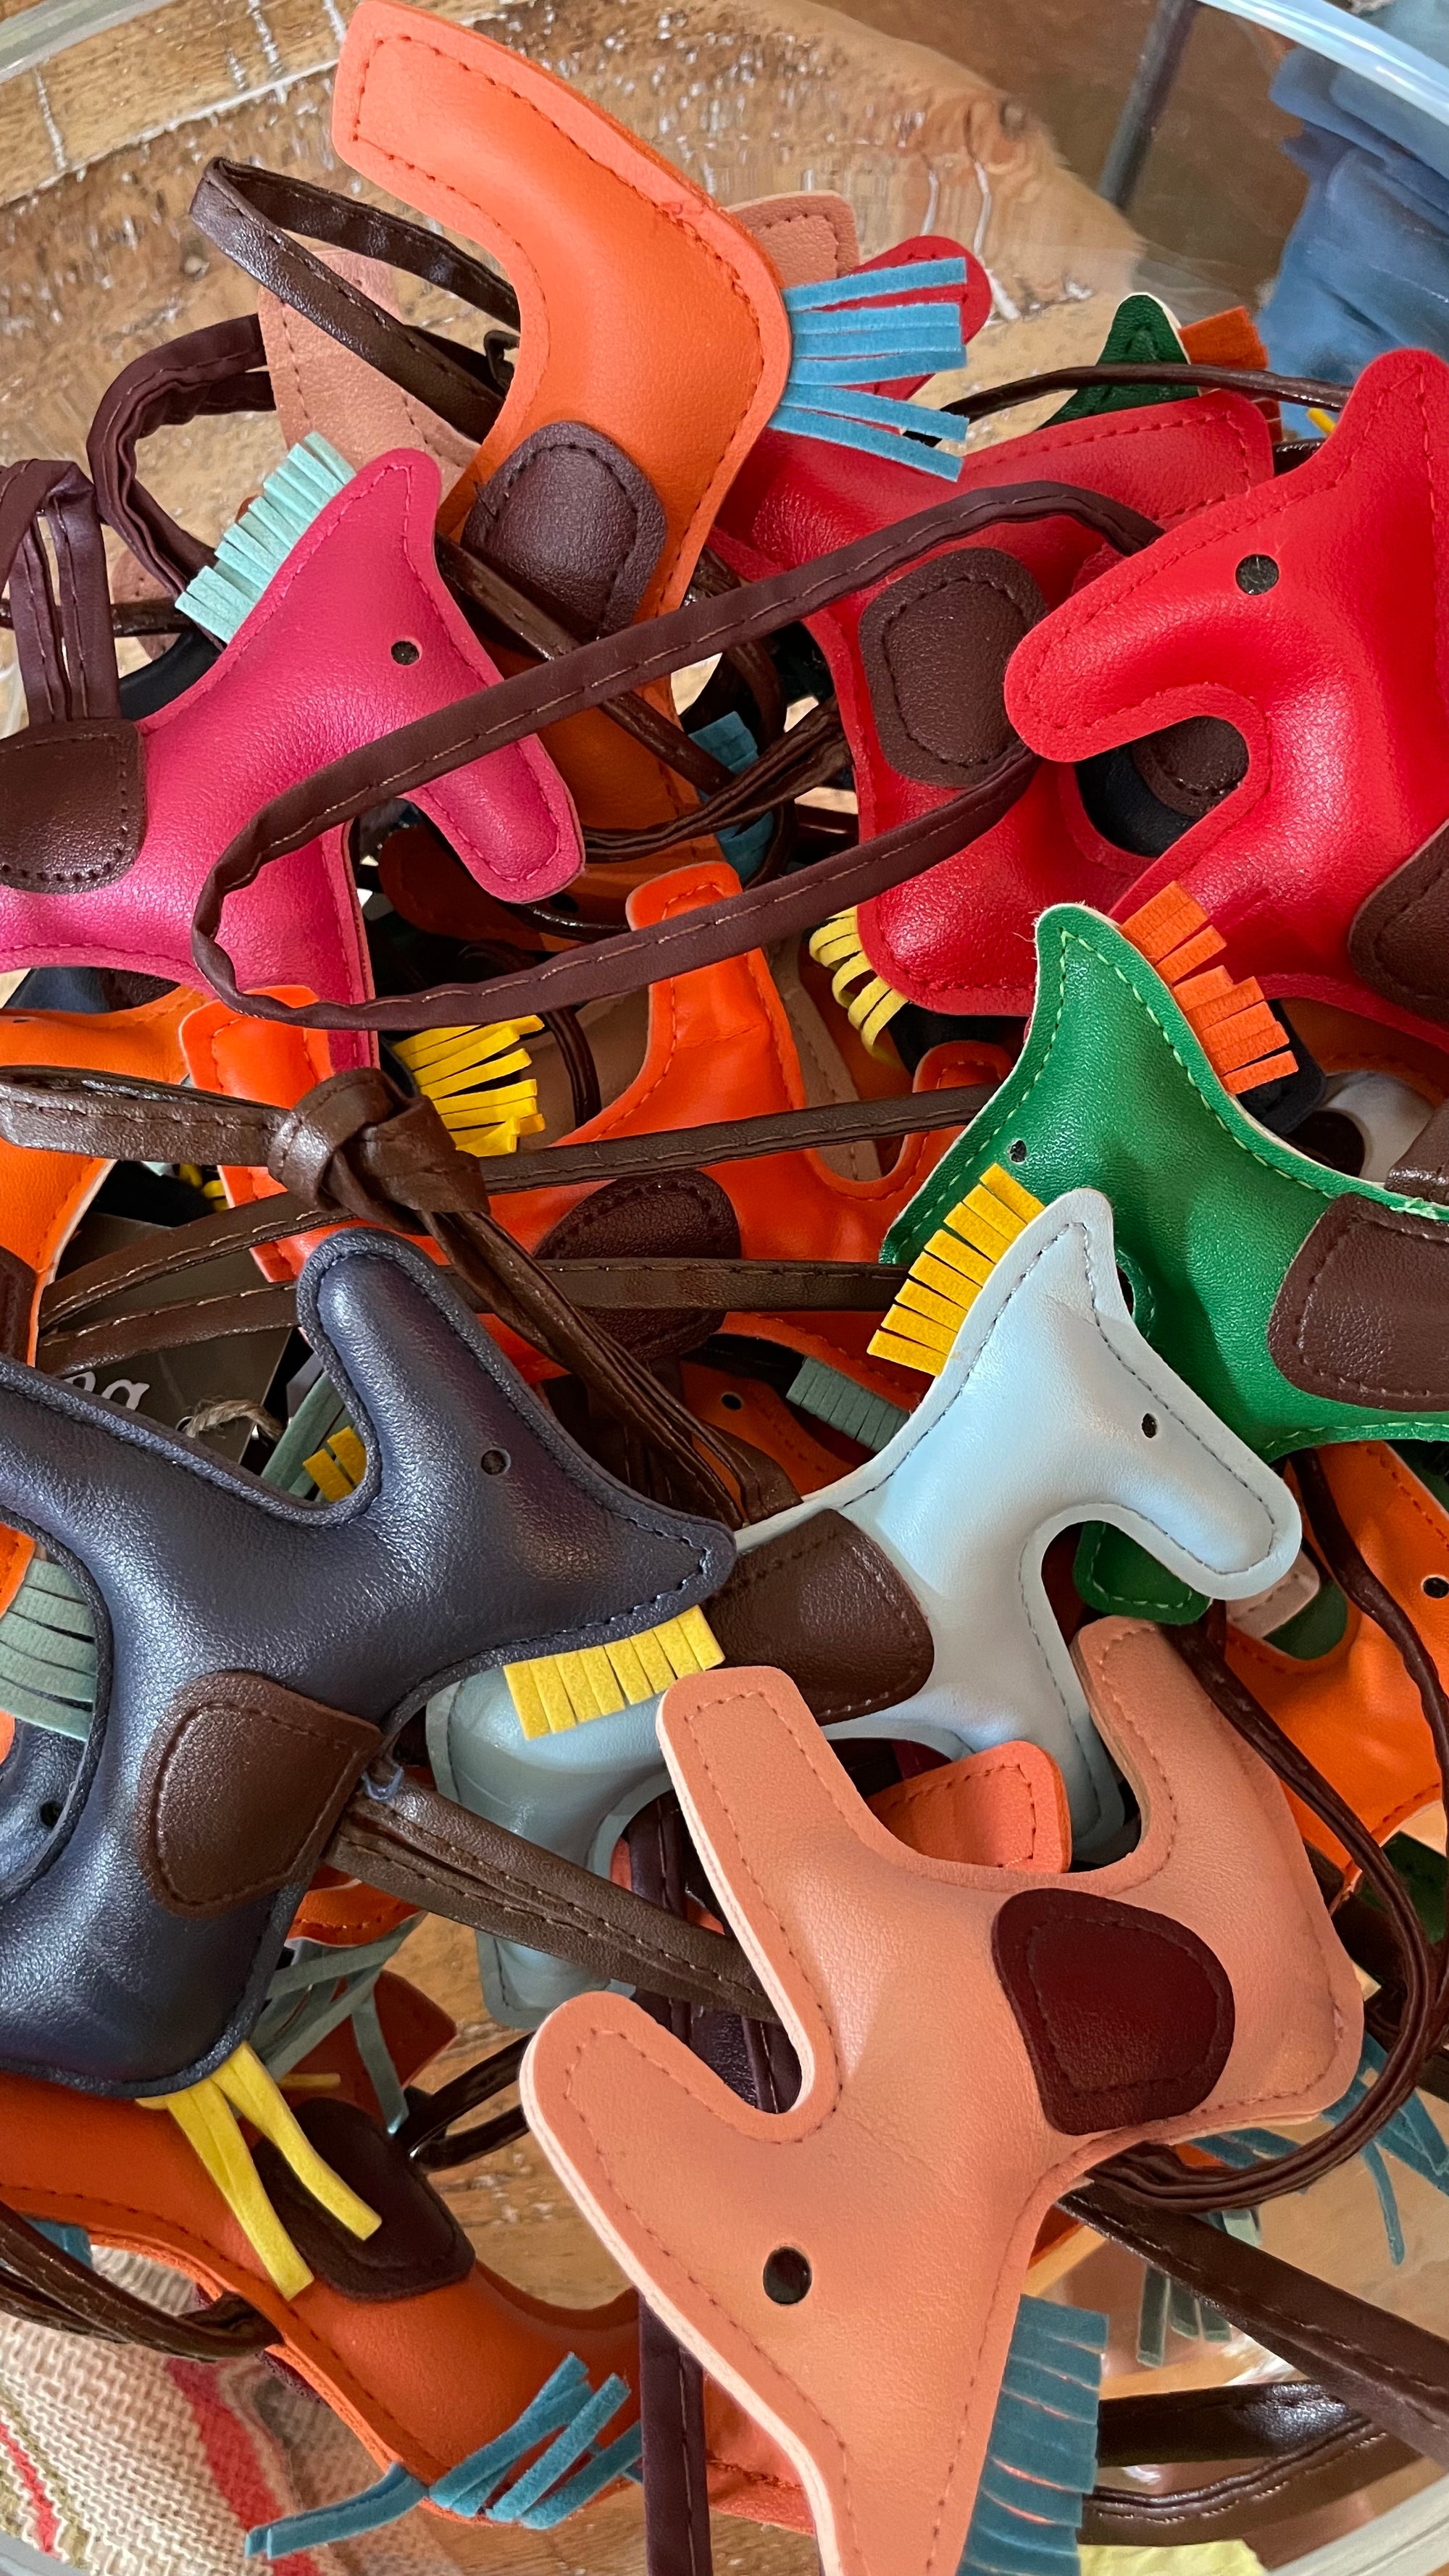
point(825, 1605)
point(1126, 2015)
point(1399, 941)
point(1363, 1314)
point(419, 2245)
point(935, 646)
point(571, 519)
point(683, 1216)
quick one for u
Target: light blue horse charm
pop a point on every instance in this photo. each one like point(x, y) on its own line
point(1051, 1410)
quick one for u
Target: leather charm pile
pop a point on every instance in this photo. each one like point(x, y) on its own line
point(724, 1249)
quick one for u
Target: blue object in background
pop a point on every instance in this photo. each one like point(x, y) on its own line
point(1366, 266)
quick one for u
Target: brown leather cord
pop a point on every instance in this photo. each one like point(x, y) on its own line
point(100, 2306)
point(1267, 2419)
point(1274, 2490)
point(643, 1282)
point(251, 213)
point(418, 1846)
point(62, 629)
point(675, 2462)
point(1393, 2373)
point(490, 718)
point(220, 370)
point(130, 617)
point(127, 1120)
point(806, 757)
point(424, 2133)
point(510, 616)
point(1154, 2173)
point(1261, 383)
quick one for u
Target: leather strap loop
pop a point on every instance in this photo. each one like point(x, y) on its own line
point(219, 370)
point(62, 632)
point(252, 213)
point(590, 677)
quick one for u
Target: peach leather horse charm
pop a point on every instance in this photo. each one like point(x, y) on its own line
point(849, 2271)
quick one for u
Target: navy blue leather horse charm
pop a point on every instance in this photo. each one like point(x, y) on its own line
point(258, 1652)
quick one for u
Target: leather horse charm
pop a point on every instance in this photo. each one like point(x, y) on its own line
point(918, 664)
point(1305, 614)
point(856, 2300)
point(906, 1600)
point(1353, 1708)
point(354, 632)
point(262, 1652)
point(422, 2350)
point(653, 344)
point(1302, 1305)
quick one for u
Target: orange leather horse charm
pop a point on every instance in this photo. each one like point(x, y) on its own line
point(422, 2376)
point(849, 2271)
point(1354, 1711)
point(649, 316)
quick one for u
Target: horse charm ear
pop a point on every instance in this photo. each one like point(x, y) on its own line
point(858, 2301)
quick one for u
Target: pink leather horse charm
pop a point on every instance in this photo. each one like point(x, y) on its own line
point(958, 938)
point(353, 635)
point(972, 2041)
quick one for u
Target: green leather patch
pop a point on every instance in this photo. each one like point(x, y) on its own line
point(1141, 333)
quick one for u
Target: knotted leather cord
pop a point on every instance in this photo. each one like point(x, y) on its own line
point(43, 2284)
point(122, 1118)
point(446, 740)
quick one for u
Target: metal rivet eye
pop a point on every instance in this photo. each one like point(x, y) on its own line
point(50, 1815)
point(1016, 1151)
point(1149, 1426)
point(495, 1462)
point(1256, 573)
point(787, 2276)
point(1436, 1585)
point(405, 650)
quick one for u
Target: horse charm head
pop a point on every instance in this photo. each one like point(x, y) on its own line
point(1305, 614)
point(257, 1652)
point(849, 2270)
point(353, 634)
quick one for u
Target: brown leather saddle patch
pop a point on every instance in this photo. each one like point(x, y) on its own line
point(677, 1216)
point(1126, 2015)
point(935, 646)
point(72, 805)
point(824, 1604)
point(1190, 767)
point(1399, 941)
point(243, 1783)
point(1363, 1314)
point(571, 519)
point(419, 2245)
